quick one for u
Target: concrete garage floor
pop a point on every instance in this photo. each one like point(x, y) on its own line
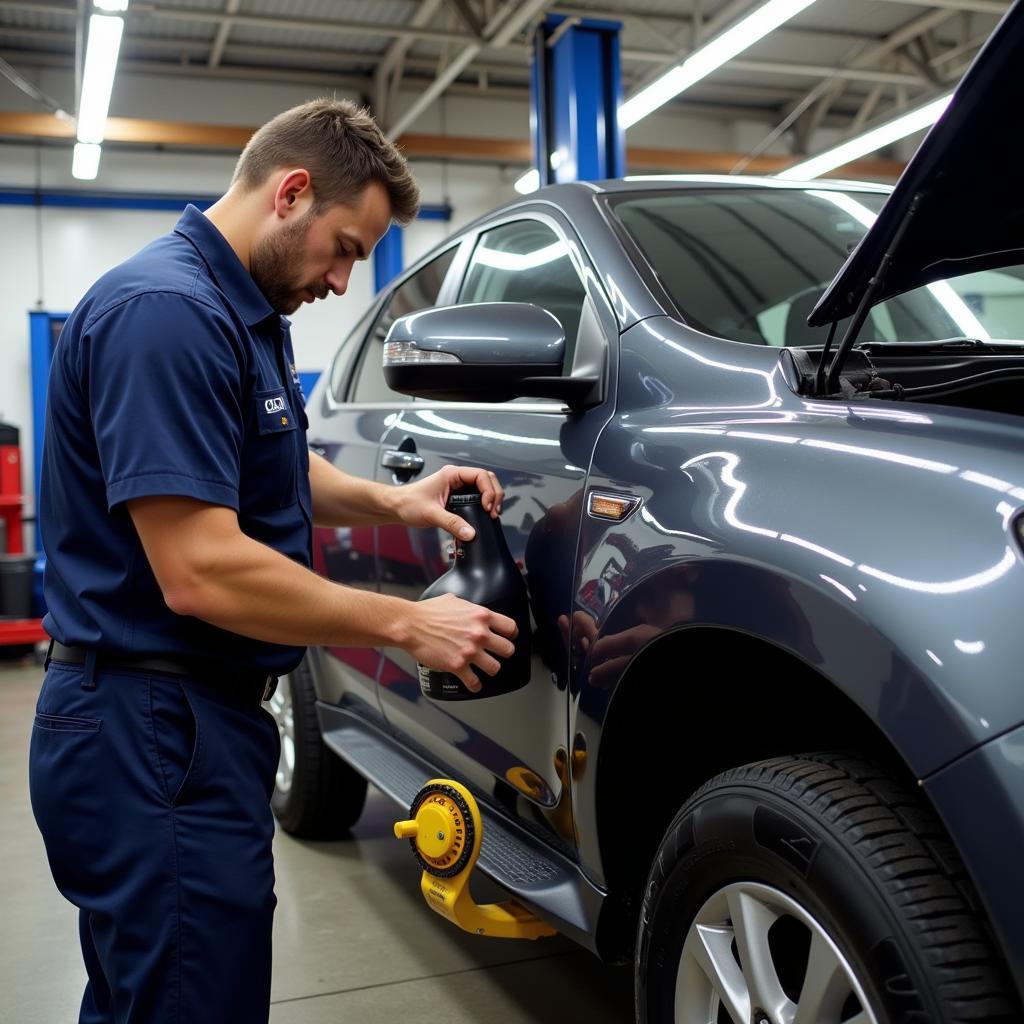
point(354, 941)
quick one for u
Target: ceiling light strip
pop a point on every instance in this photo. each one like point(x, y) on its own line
point(104, 44)
point(868, 142)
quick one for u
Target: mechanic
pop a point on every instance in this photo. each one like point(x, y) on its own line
point(177, 501)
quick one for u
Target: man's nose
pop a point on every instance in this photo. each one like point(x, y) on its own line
point(337, 279)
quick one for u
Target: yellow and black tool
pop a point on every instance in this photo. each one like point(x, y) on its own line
point(445, 832)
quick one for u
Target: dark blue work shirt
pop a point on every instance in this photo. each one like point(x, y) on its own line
point(173, 376)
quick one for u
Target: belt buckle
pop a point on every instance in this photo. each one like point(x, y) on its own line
point(269, 688)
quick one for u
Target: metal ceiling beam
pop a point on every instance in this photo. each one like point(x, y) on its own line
point(996, 7)
point(867, 108)
point(223, 30)
point(294, 24)
point(332, 56)
point(507, 22)
point(710, 27)
point(971, 46)
point(707, 109)
point(16, 78)
point(824, 71)
point(469, 18)
point(394, 55)
point(141, 9)
point(896, 39)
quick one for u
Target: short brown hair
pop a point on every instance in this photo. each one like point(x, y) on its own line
point(343, 149)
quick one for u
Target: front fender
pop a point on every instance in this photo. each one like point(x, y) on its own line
point(809, 622)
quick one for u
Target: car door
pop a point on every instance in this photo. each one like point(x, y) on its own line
point(513, 749)
point(358, 407)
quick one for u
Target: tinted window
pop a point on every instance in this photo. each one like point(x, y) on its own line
point(526, 261)
point(751, 264)
point(415, 293)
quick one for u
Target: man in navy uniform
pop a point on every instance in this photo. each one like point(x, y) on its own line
point(177, 502)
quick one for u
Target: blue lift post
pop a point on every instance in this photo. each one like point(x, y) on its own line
point(387, 257)
point(576, 92)
point(43, 331)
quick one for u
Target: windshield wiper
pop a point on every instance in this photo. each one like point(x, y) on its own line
point(973, 346)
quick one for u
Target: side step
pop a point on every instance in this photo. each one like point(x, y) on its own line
point(549, 884)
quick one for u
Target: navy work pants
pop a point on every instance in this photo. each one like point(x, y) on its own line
point(152, 793)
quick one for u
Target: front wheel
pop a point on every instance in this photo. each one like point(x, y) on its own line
point(813, 890)
point(316, 795)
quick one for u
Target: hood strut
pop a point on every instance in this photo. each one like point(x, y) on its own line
point(831, 382)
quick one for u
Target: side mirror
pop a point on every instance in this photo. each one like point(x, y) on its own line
point(481, 352)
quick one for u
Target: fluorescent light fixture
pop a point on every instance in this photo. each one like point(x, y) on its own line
point(955, 306)
point(721, 49)
point(98, 77)
point(869, 142)
point(698, 65)
point(528, 182)
point(111, 6)
point(86, 161)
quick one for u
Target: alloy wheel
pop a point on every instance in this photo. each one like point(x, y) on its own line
point(753, 955)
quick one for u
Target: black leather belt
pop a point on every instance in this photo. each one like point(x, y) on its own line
point(247, 686)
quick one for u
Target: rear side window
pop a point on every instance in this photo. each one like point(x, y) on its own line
point(417, 292)
point(526, 261)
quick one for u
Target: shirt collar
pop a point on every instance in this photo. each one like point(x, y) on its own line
point(225, 266)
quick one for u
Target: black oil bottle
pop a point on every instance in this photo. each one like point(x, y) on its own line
point(485, 573)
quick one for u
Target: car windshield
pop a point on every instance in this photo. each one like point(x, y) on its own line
point(750, 264)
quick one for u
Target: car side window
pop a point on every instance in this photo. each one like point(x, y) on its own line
point(526, 261)
point(348, 351)
point(416, 292)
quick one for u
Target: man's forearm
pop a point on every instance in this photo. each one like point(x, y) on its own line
point(207, 568)
point(343, 500)
point(244, 586)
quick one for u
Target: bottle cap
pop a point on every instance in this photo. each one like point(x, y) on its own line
point(463, 498)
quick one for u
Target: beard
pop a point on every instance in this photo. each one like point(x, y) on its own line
point(271, 264)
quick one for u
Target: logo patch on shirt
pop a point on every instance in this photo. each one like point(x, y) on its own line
point(273, 414)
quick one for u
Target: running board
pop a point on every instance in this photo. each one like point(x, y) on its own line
point(548, 883)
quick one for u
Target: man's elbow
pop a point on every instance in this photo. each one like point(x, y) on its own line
point(185, 596)
point(189, 589)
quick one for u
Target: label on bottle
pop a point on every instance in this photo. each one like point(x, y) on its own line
point(440, 685)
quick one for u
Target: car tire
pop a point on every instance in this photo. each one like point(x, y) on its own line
point(317, 795)
point(822, 860)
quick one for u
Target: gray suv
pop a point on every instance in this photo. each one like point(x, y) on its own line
point(771, 751)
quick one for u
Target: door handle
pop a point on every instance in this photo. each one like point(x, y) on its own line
point(402, 462)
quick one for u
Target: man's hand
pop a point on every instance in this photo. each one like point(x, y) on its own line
point(448, 634)
point(423, 503)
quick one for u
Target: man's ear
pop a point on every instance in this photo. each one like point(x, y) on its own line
point(294, 193)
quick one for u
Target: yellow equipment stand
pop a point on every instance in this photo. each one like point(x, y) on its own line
point(445, 832)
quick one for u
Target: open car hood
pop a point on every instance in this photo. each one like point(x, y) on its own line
point(968, 179)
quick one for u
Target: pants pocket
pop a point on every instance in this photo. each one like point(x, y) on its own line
point(65, 776)
point(66, 723)
point(176, 737)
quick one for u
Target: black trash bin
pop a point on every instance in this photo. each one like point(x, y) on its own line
point(16, 586)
